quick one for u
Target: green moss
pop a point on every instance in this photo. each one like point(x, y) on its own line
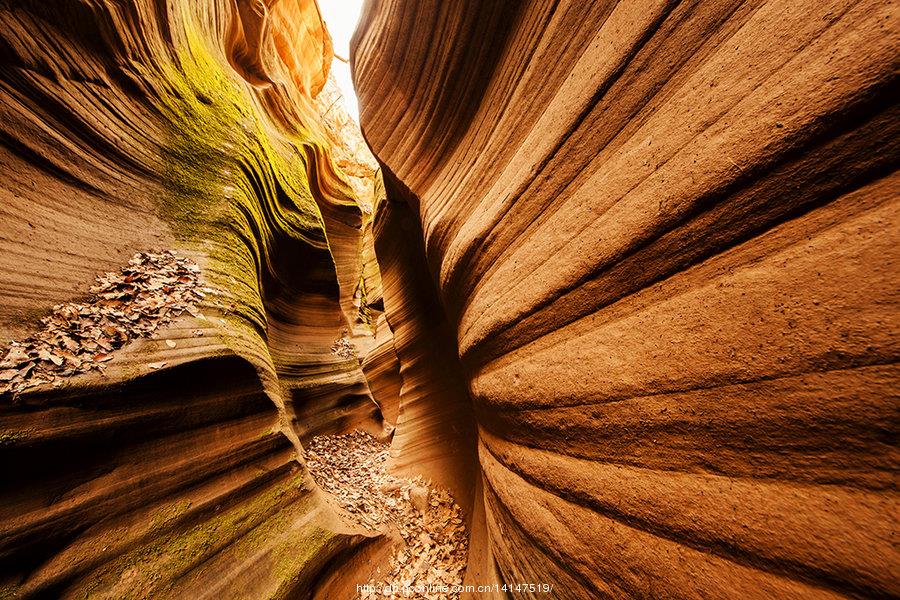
point(186, 547)
point(365, 313)
point(10, 436)
point(290, 560)
point(174, 555)
point(230, 190)
point(169, 513)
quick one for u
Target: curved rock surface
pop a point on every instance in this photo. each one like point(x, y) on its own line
point(627, 289)
point(665, 237)
point(176, 469)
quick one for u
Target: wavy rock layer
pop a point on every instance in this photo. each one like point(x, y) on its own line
point(435, 434)
point(665, 238)
point(186, 125)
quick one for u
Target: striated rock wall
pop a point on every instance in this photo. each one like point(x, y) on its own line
point(189, 125)
point(665, 237)
point(435, 433)
point(635, 298)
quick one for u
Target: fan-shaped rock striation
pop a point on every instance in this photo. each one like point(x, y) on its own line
point(665, 237)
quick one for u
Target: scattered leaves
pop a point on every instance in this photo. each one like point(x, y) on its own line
point(78, 337)
point(343, 347)
point(352, 467)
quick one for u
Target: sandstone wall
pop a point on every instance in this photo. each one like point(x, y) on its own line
point(665, 236)
point(177, 470)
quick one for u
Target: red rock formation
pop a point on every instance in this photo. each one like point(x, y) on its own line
point(665, 237)
point(435, 434)
point(177, 471)
point(634, 301)
point(382, 371)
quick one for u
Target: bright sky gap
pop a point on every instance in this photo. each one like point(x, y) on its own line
point(341, 17)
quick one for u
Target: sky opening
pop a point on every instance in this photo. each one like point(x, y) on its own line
point(341, 17)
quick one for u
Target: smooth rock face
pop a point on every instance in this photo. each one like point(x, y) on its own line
point(665, 237)
point(435, 430)
point(636, 305)
point(176, 471)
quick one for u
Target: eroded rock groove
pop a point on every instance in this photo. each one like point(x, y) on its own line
point(612, 305)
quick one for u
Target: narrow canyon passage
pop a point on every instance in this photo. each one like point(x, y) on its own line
point(593, 300)
point(432, 553)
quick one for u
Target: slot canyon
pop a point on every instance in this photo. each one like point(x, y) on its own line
point(600, 299)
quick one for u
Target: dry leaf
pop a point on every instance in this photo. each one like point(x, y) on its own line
point(135, 302)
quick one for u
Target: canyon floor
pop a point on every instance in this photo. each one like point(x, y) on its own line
point(432, 539)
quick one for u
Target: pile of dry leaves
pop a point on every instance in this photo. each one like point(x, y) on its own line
point(77, 337)
point(343, 347)
point(352, 468)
